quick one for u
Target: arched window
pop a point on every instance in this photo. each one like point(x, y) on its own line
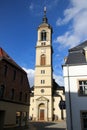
point(43, 60)
point(2, 88)
point(43, 35)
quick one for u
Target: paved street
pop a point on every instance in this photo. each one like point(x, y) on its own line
point(47, 125)
point(60, 125)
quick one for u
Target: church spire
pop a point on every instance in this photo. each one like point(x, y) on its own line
point(45, 20)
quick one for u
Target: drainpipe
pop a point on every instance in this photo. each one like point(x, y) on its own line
point(70, 104)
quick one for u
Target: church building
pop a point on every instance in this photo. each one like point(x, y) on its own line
point(46, 95)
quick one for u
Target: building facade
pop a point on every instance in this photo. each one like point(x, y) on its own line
point(14, 93)
point(75, 79)
point(42, 106)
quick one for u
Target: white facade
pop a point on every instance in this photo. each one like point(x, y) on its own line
point(74, 103)
point(75, 81)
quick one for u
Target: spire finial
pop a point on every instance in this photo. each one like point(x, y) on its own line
point(45, 9)
point(45, 18)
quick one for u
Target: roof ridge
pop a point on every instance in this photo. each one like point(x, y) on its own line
point(79, 46)
point(4, 55)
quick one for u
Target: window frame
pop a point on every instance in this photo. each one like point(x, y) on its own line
point(42, 81)
point(43, 60)
point(43, 35)
point(42, 71)
point(82, 88)
point(81, 118)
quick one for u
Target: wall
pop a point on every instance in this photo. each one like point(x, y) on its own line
point(74, 102)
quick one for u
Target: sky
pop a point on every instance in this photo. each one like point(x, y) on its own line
point(19, 20)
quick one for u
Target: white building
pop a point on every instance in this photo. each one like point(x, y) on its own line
point(46, 94)
point(75, 79)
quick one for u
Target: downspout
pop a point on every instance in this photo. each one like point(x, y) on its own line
point(70, 99)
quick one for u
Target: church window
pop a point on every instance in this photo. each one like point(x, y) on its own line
point(43, 60)
point(43, 35)
point(82, 87)
point(43, 44)
point(42, 90)
point(42, 81)
point(42, 71)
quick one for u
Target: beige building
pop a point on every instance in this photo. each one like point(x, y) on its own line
point(46, 94)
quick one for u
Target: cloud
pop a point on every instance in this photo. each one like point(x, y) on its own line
point(59, 79)
point(31, 7)
point(51, 4)
point(38, 6)
point(30, 75)
point(76, 19)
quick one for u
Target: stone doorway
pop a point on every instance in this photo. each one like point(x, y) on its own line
point(42, 111)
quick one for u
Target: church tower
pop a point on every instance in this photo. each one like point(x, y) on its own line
point(43, 72)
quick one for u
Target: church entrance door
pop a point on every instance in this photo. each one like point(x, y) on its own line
point(41, 114)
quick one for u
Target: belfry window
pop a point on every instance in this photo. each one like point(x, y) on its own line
point(43, 35)
point(43, 60)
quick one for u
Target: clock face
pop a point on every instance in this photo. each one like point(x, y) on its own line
point(42, 90)
point(43, 50)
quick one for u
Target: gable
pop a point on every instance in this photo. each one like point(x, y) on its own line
point(42, 99)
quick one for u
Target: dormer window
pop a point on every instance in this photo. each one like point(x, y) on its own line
point(43, 35)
